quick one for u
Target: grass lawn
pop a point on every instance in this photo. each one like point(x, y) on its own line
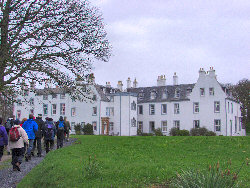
point(136, 161)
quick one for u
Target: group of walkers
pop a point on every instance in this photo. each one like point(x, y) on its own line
point(22, 138)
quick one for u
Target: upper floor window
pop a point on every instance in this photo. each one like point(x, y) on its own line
point(164, 126)
point(53, 109)
point(176, 108)
point(62, 96)
point(217, 106)
point(62, 109)
point(217, 125)
point(133, 105)
point(196, 107)
point(177, 93)
point(177, 124)
point(45, 109)
point(164, 109)
point(211, 91)
point(54, 96)
point(232, 108)
point(110, 111)
point(202, 91)
point(45, 97)
point(152, 95)
point(196, 123)
point(235, 123)
point(94, 111)
point(151, 109)
point(228, 108)
point(140, 109)
point(73, 111)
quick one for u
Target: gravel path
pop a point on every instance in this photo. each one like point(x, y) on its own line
point(9, 178)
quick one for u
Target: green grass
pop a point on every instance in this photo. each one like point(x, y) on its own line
point(136, 161)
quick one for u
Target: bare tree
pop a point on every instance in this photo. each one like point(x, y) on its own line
point(49, 39)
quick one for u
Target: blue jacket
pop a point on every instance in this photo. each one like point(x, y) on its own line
point(30, 126)
point(3, 136)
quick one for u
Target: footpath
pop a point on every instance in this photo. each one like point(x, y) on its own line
point(10, 178)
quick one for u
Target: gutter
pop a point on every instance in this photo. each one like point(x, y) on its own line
point(226, 114)
point(120, 115)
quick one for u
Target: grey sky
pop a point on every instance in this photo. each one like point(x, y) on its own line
point(155, 37)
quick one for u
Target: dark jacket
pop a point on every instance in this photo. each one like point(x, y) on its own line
point(3, 136)
point(40, 123)
point(30, 126)
point(60, 132)
point(46, 130)
point(67, 126)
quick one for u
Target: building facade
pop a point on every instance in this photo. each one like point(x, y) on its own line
point(114, 111)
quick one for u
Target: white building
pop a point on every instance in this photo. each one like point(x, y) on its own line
point(115, 111)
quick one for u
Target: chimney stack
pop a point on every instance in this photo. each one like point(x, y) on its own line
point(119, 85)
point(135, 83)
point(108, 84)
point(211, 72)
point(161, 81)
point(175, 79)
point(128, 83)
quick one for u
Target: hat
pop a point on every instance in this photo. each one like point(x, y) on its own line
point(16, 122)
point(39, 115)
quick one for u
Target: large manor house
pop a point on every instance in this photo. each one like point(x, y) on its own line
point(122, 111)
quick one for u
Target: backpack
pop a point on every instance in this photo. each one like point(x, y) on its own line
point(14, 134)
point(8, 125)
point(49, 131)
point(61, 125)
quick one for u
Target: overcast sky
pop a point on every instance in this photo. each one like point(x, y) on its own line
point(156, 37)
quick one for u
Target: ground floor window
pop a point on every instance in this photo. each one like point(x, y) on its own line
point(196, 123)
point(94, 125)
point(164, 127)
point(45, 109)
point(111, 126)
point(151, 126)
point(140, 126)
point(73, 125)
point(217, 125)
point(177, 124)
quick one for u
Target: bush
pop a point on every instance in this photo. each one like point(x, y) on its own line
point(173, 131)
point(139, 132)
point(88, 129)
point(210, 133)
point(147, 134)
point(158, 132)
point(183, 132)
point(78, 129)
point(198, 131)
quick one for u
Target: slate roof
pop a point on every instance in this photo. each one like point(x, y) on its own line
point(108, 90)
point(160, 90)
point(49, 91)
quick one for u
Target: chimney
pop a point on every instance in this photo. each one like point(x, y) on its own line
point(211, 72)
point(161, 81)
point(119, 85)
point(108, 84)
point(128, 83)
point(202, 73)
point(135, 83)
point(175, 79)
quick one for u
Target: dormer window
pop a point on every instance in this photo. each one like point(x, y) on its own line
point(164, 95)
point(177, 93)
point(202, 92)
point(141, 95)
point(153, 95)
point(189, 91)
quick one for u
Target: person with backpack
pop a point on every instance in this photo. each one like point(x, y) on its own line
point(39, 135)
point(8, 125)
point(67, 128)
point(18, 137)
point(60, 129)
point(49, 134)
point(30, 126)
point(3, 138)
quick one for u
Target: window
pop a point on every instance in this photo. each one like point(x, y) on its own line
point(235, 121)
point(111, 98)
point(62, 109)
point(177, 93)
point(73, 125)
point(151, 109)
point(232, 108)
point(164, 126)
point(164, 109)
point(31, 101)
point(133, 122)
point(216, 106)
point(53, 109)
point(19, 102)
point(110, 111)
point(94, 112)
point(94, 97)
point(176, 108)
point(189, 91)
point(18, 114)
point(141, 96)
point(94, 125)
point(62, 96)
point(164, 95)
point(196, 107)
point(140, 109)
point(54, 96)
point(211, 91)
point(32, 111)
point(73, 111)
point(82, 124)
point(45, 109)
point(217, 125)
point(240, 123)
point(111, 126)
point(140, 126)
point(152, 95)
point(45, 97)
point(202, 91)
point(133, 105)
point(151, 126)
point(228, 109)
point(177, 124)
point(196, 123)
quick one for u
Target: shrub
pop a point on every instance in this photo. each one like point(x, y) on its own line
point(139, 132)
point(173, 131)
point(183, 132)
point(88, 129)
point(210, 133)
point(147, 134)
point(198, 131)
point(158, 132)
point(78, 129)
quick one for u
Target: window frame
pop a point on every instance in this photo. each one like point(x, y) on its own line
point(195, 125)
point(53, 109)
point(94, 127)
point(179, 124)
point(45, 105)
point(217, 125)
point(215, 110)
point(176, 108)
point(164, 126)
point(73, 110)
point(93, 111)
point(140, 123)
point(164, 113)
point(150, 111)
point(140, 106)
point(202, 92)
point(211, 91)
point(45, 97)
point(62, 109)
point(62, 96)
point(195, 107)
